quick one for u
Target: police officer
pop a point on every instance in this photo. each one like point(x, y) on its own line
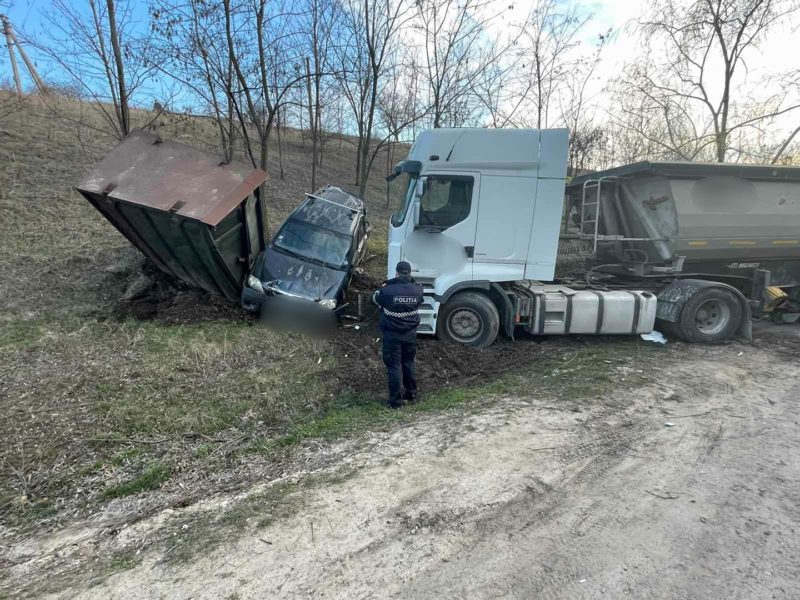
point(398, 300)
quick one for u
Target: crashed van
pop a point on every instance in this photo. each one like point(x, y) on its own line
point(196, 217)
point(313, 254)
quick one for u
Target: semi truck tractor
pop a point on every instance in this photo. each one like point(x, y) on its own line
point(694, 249)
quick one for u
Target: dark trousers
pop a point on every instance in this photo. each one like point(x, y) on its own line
point(398, 356)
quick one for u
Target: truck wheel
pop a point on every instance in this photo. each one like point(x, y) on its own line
point(469, 318)
point(710, 316)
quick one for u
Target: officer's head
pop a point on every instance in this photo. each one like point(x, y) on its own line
point(403, 269)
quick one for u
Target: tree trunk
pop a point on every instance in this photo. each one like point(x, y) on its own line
point(358, 159)
point(278, 126)
point(123, 91)
point(312, 124)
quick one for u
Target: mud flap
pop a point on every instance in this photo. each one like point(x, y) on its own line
point(506, 310)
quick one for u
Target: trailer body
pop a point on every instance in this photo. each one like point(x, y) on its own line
point(722, 219)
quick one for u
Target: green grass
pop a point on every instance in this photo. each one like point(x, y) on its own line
point(19, 333)
point(122, 561)
point(126, 456)
point(151, 479)
point(579, 374)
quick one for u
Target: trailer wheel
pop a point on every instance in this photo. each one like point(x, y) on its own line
point(469, 318)
point(710, 316)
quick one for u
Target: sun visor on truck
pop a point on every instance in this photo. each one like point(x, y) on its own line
point(193, 215)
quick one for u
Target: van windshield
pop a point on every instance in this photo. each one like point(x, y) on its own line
point(315, 243)
point(401, 193)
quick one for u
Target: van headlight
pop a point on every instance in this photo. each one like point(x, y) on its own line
point(328, 303)
point(255, 283)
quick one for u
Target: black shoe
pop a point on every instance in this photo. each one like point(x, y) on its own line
point(394, 405)
point(410, 397)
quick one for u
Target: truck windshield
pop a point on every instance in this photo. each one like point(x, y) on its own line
point(401, 194)
point(315, 243)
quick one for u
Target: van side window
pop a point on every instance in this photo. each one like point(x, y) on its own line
point(446, 201)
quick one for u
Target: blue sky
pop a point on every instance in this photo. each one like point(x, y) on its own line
point(29, 16)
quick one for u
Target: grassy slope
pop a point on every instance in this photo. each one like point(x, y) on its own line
point(98, 407)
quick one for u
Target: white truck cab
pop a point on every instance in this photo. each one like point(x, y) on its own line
point(478, 217)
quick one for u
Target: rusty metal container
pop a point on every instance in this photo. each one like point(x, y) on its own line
point(191, 214)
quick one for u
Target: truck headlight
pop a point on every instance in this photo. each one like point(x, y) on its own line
point(255, 283)
point(328, 303)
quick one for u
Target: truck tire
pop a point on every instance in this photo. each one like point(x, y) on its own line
point(469, 318)
point(710, 316)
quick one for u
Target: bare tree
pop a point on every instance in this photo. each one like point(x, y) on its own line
point(189, 47)
point(363, 58)
point(586, 136)
point(697, 89)
point(94, 48)
point(255, 95)
point(320, 16)
point(456, 55)
point(546, 59)
point(123, 112)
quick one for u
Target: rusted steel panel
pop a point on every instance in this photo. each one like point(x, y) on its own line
point(170, 176)
point(192, 215)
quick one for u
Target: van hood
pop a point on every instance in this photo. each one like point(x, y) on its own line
point(290, 275)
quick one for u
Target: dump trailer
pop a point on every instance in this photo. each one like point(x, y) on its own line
point(665, 223)
point(194, 215)
point(479, 215)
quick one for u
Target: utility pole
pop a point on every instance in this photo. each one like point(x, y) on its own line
point(12, 42)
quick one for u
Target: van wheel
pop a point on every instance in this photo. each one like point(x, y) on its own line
point(710, 316)
point(469, 318)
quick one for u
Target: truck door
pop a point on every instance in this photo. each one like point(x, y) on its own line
point(443, 241)
point(504, 227)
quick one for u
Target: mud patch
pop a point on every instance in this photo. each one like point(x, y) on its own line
point(156, 296)
point(360, 368)
point(185, 306)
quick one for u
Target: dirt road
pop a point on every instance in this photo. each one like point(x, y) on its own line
point(688, 487)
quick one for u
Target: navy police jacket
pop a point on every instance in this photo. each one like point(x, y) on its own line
point(398, 300)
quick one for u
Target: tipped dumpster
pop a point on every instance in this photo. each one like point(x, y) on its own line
point(193, 215)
